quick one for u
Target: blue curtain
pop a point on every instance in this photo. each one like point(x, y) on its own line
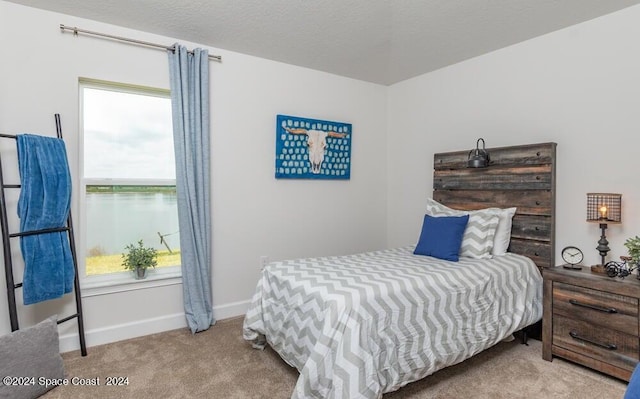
point(189, 73)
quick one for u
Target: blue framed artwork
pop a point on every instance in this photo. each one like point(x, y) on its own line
point(312, 149)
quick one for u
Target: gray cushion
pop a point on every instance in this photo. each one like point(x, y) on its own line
point(30, 355)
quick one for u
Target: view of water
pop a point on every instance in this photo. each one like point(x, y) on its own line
point(115, 220)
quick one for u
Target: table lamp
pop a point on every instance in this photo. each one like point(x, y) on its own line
point(604, 208)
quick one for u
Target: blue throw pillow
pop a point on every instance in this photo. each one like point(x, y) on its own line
point(441, 237)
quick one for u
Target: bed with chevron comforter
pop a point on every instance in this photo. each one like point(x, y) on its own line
point(358, 326)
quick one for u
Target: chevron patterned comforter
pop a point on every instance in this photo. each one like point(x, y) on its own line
point(358, 326)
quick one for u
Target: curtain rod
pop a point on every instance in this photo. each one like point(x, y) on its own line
point(76, 30)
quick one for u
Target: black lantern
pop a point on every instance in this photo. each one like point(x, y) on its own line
point(478, 158)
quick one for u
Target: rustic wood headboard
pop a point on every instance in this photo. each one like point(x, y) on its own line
point(522, 176)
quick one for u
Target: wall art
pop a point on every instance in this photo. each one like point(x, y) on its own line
point(312, 148)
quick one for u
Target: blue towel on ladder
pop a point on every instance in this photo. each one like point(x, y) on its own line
point(45, 200)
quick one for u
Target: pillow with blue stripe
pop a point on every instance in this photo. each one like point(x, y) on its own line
point(478, 237)
point(441, 237)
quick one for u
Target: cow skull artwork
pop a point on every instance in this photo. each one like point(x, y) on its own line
point(312, 149)
point(316, 144)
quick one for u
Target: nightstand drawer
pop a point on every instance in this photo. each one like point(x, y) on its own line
point(606, 345)
point(616, 312)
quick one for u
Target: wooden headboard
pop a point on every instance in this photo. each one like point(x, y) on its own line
point(522, 176)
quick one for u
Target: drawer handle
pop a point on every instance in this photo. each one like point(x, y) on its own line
point(594, 307)
point(575, 335)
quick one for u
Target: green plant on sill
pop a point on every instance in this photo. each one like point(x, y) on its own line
point(139, 257)
point(633, 247)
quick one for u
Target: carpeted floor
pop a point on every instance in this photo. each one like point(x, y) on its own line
point(218, 363)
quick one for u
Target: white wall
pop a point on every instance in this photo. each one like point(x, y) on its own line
point(253, 213)
point(578, 87)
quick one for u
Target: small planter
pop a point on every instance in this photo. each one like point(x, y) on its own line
point(138, 258)
point(141, 273)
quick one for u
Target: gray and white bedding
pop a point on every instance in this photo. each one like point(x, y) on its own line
point(358, 326)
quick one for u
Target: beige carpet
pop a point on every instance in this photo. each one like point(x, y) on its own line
point(218, 363)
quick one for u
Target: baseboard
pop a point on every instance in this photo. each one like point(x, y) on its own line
point(105, 335)
point(232, 309)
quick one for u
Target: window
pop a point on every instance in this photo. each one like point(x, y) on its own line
point(128, 175)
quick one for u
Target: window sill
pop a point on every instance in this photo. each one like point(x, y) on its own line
point(124, 281)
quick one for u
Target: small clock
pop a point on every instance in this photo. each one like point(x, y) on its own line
point(573, 256)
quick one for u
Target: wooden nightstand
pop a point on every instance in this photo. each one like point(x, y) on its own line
point(591, 319)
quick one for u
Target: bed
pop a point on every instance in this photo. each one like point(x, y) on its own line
point(361, 325)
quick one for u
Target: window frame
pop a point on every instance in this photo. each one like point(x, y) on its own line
point(101, 284)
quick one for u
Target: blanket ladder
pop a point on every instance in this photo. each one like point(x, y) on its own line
point(8, 264)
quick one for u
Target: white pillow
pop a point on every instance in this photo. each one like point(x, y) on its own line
point(478, 237)
point(502, 235)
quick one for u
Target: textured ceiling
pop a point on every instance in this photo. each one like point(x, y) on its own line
point(381, 41)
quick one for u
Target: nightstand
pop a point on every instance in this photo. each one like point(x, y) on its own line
point(591, 319)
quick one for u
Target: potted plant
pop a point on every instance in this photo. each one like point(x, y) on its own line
point(139, 258)
point(633, 247)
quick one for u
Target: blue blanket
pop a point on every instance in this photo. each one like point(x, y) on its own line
point(45, 200)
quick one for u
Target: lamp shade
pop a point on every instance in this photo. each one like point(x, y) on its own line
point(604, 208)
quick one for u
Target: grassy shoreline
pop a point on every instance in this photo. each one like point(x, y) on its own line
point(105, 189)
point(104, 264)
